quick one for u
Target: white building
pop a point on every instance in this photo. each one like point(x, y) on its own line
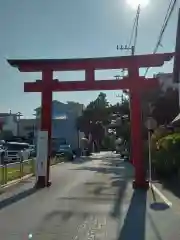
point(64, 117)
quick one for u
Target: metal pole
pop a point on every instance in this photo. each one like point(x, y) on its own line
point(132, 50)
point(150, 157)
point(19, 114)
point(18, 126)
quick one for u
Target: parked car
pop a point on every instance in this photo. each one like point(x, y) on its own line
point(16, 151)
point(65, 150)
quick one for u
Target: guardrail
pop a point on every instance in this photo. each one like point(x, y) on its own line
point(17, 170)
point(12, 171)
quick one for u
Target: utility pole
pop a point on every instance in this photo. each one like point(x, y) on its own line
point(126, 48)
point(19, 114)
point(132, 48)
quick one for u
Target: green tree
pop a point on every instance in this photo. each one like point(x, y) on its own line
point(95, 117)
point(166, 107)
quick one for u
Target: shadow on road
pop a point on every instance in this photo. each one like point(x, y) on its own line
point(134, 223)
point(80, 160)
point(120, 173)
point(116, 211)
point(64, 215)
point(15, 198)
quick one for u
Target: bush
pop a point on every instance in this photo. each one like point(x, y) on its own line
point(158, 134)
point(166, 156)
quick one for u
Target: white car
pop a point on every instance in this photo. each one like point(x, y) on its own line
point(16, 151)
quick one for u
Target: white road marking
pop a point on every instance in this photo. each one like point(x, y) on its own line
point(161, 195)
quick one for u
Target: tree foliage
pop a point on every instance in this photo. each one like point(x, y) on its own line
point(95, 117)
point(166, 107)
point(98, 115)
point(164, 104)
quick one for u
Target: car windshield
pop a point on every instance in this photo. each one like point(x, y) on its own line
point(62, 141)
point(16, 146)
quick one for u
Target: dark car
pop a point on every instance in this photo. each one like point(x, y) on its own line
point(66, 151)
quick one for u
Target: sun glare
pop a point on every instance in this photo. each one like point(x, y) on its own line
point(135, 3)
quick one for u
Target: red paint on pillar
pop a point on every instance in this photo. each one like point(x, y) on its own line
point(136, 83)
point(137, 141)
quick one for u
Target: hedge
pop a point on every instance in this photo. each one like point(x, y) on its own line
point(166, 155)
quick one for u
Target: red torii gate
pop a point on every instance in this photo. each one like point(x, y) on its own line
point(133, 82)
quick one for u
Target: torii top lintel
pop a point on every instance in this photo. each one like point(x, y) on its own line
point(132, 63)
point(140, 61)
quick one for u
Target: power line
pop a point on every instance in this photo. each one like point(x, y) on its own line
point(134, 33)
point(166, 21)
point(133, 36)
point(134, 29)
point(168, 15)
point(137, 26)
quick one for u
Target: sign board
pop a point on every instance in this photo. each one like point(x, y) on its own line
point(151, 123)
point(42, 153)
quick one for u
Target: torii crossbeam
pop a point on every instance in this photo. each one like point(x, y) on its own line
point(133, 82)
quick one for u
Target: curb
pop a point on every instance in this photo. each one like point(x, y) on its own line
point(13, 182)
point(16, 181)
point(161, 195)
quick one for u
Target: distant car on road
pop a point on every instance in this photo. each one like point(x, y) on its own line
point(65, 150)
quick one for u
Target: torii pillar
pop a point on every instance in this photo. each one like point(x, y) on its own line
point(133, 82)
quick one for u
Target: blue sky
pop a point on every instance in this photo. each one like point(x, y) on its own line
point(68, 29)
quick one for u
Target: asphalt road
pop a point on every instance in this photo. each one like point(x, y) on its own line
point(89, 199)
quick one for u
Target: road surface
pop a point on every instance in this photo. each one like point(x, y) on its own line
point(89, 199)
